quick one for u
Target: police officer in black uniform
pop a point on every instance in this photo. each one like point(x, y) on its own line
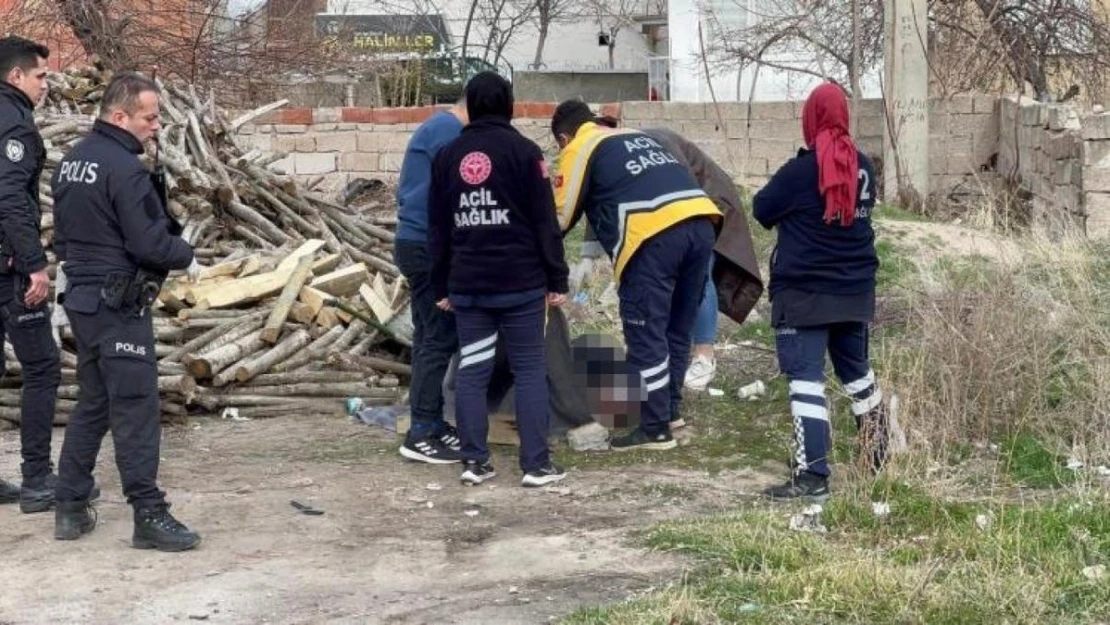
point(118, 243)
point(24, 283)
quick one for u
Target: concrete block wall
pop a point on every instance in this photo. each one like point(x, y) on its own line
point(1062, 158)
point(750, 140)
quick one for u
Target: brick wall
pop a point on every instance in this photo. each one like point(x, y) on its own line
point(751, 141)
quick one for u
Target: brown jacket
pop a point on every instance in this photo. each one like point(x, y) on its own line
point(736, 270)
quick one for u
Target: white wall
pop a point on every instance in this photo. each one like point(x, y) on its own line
point(569, 46)
point(688, 76)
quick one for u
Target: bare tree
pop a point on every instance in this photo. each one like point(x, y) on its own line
point(501, 19)
point(548, 12)
point(801, 36)
point(612, 17)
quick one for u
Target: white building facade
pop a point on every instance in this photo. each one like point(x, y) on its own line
point(688, 79)
point(572, 44)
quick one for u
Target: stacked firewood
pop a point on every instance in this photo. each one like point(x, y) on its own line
point(299, 305)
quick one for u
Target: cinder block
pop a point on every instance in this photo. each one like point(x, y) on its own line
point(682, 111)
point(776, 110)
point(697, 131)
point(1095, 126)
point(939, 122)
point(1096, 179)
point(967, 125)
point(641, 110)
point(1033, 114)
point(288, 129)
point(285, 143)
point(959, 163)
point(346, 126)
point(985, 104)
point(1097, 209)
point(306, 143)
point(264, 143)
point(771, 150)
point(337, 142)
point(314, 163)
point(1096, 153)
point(369, 141)
point(390, 162)
point(1062, 145)
point(775, 129)
point(245, 130)
point(358, 161)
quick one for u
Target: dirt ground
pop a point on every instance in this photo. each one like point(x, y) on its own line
point(399, 542)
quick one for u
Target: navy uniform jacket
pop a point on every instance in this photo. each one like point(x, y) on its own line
point(22, 157)
point(820, 273)
point(492, 226)
point(108, 217)
point(629, 186)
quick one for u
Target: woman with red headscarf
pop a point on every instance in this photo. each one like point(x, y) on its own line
point(823, 287)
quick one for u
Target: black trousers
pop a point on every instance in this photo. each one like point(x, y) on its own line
point(434, 340)
point(118, 374)
point(33, 342)
point(660, 292)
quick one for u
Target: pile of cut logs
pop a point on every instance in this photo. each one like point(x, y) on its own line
point(299, 305)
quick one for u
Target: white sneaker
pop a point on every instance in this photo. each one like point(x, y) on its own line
point(700, 373)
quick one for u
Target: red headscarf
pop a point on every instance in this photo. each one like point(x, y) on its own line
point(825, 128)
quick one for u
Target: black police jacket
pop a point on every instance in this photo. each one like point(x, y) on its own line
point(108, 217)
point(492, 226)
point(21, 163)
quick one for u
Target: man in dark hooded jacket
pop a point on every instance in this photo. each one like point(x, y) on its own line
point(497, 261)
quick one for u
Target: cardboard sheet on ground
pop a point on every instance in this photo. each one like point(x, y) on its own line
point(581, 376)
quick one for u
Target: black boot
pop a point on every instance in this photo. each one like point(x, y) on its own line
point(72, 519)
point(9, 493)
point(155, 528)
point(52, 482)
point(36, 495)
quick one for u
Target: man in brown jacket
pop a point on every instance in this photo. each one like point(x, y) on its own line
point(735, 284)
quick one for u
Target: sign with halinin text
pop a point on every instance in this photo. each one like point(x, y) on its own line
point(384, 33)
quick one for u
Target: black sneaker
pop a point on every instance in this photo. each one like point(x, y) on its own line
point(804, 485)
point(52, 484)
point(637, 439)
point(9, 493)
point(542, 477)
point(450, 437)
point(155, 528)
point(431, 450)
point(477, 472)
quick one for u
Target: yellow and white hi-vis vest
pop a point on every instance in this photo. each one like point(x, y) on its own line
point(629, 186)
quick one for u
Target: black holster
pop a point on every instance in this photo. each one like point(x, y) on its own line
point(133, 294)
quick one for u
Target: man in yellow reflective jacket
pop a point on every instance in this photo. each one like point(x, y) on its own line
point(657, 226)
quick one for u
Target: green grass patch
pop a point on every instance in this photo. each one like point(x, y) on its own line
point(1029, 463)
point(932, 559)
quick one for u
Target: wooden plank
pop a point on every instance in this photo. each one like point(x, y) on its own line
point(302, 312)
point(272, 330)
point(344, 281)
point(313, 298)
point(327, 318)
point(308, 248)
point(326, 264)
point(381, 309)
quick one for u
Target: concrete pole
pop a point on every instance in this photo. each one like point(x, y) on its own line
point(906, 103)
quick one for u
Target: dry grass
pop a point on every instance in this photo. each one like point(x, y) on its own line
point(1001, 367)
